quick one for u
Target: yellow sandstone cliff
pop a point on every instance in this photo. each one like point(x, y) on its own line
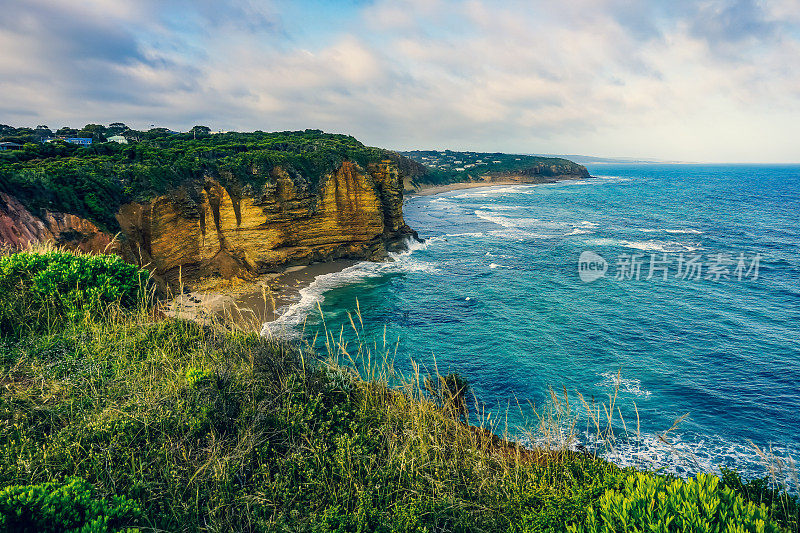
point(354, 213)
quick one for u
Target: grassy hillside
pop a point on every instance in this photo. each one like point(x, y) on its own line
point(94, 181)
point(112, 416)
point(451, 167)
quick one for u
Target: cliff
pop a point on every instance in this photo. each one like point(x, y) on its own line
point(19, 228)
point(356, 213)
point(194, 204)
point(210, 229)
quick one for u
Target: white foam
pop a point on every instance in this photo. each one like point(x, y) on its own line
point(495, 265)
point(662, 246)
point(551, 229)
point(686, 455)
point(310, 296)
point(413, 245)
point(520, 222)
point(648, 246)
point(506, 222)
point(515, 234)
point(442, 203)
point(493, 207)
point(613, 381)
point(468, 234)
point(675, 453)
point(612, 179)
point(488, 192)
point(673, 231)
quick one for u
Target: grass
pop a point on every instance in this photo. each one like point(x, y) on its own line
point(208, 428)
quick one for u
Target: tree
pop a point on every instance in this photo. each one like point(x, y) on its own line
point(156, 133)
point(67, 131)
point(43, 132)
point(95, 131)
point(116, 128)
point(199, 131)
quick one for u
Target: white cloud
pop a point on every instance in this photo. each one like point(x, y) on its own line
point(600, 77)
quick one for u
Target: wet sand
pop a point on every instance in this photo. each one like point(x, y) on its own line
point(427, 191)
point(249, 304)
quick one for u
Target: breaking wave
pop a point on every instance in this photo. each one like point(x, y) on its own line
point(309, 297)
point(674, 231)
point(613, 381)
point(648, 246)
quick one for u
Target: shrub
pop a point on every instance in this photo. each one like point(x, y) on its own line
point(654, 503)
point(195, 376)
point(43, 287)
point(785, 507)
point(71, 506)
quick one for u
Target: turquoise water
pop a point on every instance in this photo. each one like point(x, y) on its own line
point(495, 295)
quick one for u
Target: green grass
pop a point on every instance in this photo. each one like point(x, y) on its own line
point(204, 428)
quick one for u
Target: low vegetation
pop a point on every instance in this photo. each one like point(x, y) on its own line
point(116, 418)
point(48, 285)
point(651, 503)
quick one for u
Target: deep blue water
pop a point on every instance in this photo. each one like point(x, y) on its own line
point(495, 295)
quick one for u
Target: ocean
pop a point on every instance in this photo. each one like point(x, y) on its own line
point(675, 287)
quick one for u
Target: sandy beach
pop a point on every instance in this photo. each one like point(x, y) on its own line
point(427, 191)
point(249, 303)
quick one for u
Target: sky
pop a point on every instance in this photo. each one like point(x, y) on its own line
point(706, 81)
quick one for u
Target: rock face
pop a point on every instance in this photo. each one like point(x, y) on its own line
point(354, 213)
point(19, 228)
point(357, 213)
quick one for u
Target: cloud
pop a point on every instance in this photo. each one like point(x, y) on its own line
point(658, 79)
point(720, 23)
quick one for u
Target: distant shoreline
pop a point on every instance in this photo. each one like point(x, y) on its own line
point(437, 189)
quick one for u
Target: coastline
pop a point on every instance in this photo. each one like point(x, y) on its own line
point(438, 189)
point(249, 304)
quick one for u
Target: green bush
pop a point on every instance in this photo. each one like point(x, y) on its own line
point(38, 288)
point(784, 507)
point(654, 503)
point(71, 506)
